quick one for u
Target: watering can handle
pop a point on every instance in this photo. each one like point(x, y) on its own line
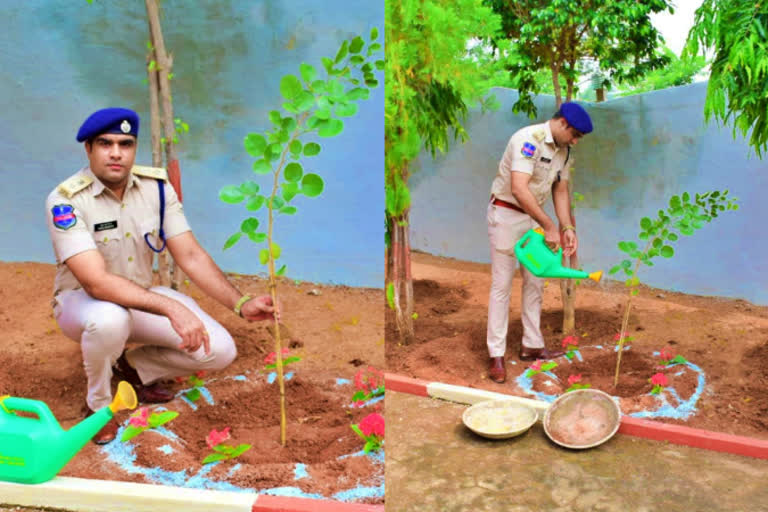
point(34, 406)
point(540, 231)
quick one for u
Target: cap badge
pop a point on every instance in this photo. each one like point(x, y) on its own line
point(125, 126)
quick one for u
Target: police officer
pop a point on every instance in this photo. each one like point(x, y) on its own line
point(537, 160)
point(105, 222)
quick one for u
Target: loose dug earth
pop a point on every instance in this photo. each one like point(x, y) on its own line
point(724, 340)
point(336, 331)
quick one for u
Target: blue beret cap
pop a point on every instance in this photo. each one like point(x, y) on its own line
point(109, 120)
point(576, 116)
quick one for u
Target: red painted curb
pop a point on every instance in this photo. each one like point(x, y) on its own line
point(266, 503)
point(698, 438)
point(393, 382)
point(655, 430)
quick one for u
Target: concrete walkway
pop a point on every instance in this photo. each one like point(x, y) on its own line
point(436, 464)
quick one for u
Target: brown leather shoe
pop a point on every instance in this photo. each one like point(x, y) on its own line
point(107, 433)
point(146, 394)
point(532, 354)
point(153, 394)
point(496, 371)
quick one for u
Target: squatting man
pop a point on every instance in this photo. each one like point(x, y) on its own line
point(537, 161)
point(106, 222)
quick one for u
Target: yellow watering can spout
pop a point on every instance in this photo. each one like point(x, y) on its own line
point(124, 399)
point(595, 276)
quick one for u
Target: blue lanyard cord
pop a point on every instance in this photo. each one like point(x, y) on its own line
point(160, 184)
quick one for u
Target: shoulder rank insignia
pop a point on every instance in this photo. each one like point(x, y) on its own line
point(157, 173)
point(63, 216)
point(528, 150)
point(73, 185)
point(539, 135)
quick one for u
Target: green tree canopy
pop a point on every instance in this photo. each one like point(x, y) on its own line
point(738, 83)
point(557, 34)
point(679, 71)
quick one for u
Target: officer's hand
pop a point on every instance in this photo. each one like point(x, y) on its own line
point(570, 242)
point(190, 328)
point(259, 308)
point(552, 238)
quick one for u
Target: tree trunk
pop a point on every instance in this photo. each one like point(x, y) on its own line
point(401, 278)
point(163, 259)
point(567, 289)
point(164, 66)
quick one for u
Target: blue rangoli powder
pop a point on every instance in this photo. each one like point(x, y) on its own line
point(683, 410)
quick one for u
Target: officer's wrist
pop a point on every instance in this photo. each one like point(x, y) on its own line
point(239, 304)
point(567, 227)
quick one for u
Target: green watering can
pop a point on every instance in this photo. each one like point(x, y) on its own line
point(533, 253)
point(33, 450)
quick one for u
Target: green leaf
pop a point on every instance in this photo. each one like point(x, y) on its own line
point(667, 251)
point(280, 271)
point(289, 191)
point(675, 203)
point(375, 47)
point(646, 223)
point(193, 395)
point(657, 242)
point(391, 295)
point(255, 144)
point(341, 53)
point(327, 64)
point(130, 432)
point(288, 210)
point(159, 419)
point(330, 128)
point(311, 149)
point(308, 72)
point(626, 263)
point(232, 240)
point(276, 251)
point(293, 172)
point(255, 203)
point(304, 101)
point(323, 113)
point(290, 87)
point(249, 188)
point(346, 109)
point(262, 166)
point(263, 256)
point(288, 124)
point(356, 45)
point(249, 225)
point(276, 203)
point(241, 448)
point(632, 281)
point(275, 117)
point(614, 269)
point(312, 185)
point(635, 291)
point(273, 152)
point(258, 237)
point(295, 147)
point(380, 66)
point(358, 93)
point(213, 458)
point(231, 194)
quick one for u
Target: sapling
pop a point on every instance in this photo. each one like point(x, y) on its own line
point(313, 105)
point(681, 216)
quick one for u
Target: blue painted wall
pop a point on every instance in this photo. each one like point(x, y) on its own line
point(60, 61)
point(643, 150)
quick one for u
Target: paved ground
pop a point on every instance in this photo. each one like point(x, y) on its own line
point(435, 464)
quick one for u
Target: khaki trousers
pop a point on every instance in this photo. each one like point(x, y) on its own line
point(103, 329)
point(505, 228)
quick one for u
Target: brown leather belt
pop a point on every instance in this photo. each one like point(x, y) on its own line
point(498, 202)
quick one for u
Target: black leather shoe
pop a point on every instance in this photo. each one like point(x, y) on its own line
point(532, 354)
point(496, 371)
point(146, 394)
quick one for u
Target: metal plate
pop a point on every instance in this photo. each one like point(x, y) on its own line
point(499, 419)
point(581, 419)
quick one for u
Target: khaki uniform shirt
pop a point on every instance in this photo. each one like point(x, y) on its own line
point(532, 150)
point(82, 215)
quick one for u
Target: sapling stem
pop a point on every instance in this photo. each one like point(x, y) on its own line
point(273, 280)
point(625, 320)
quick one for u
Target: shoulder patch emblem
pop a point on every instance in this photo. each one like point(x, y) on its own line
point(74, 185)
point(157, 173)
point(528, 150)
point(539, 135)
point(63, 216)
